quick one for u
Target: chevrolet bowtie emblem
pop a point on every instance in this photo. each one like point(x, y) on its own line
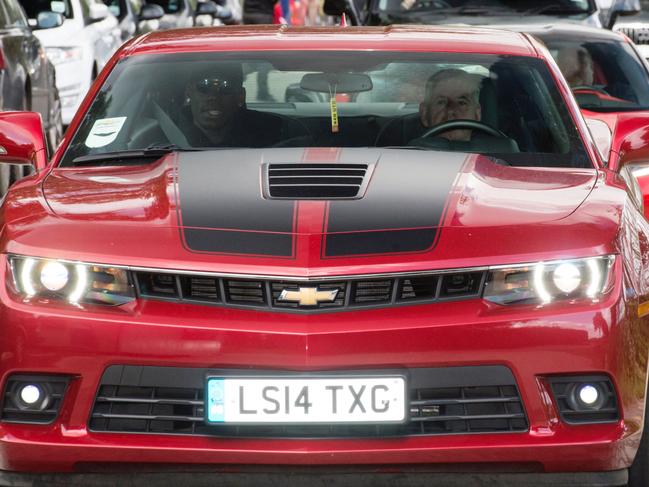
point(308, 296)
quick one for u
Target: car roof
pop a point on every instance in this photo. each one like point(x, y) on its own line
point(281, 37)
point(569, 32)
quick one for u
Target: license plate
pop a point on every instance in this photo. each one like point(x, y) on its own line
point(306, 400)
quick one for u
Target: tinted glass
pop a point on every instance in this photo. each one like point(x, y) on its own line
point(605, 75)
point(33, 7)
point(510, 107)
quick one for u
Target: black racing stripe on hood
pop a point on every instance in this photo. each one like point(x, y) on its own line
point(221, 208)
point(230, 242)
point(402, 210)
point(390, 242)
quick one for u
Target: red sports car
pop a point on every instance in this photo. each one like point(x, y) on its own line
point(370, 256)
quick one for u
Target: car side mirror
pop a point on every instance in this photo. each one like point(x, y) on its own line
point(22, 140)
point(207, 8)
point(151, 11)
point(622, 8)
point(49, 20)
point(98, 12)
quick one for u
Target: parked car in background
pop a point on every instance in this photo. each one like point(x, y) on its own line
point(177, 13)
point(636, 27)
point(135, 16)
point(184, 13)
point(79, 48)
point(540, 12)
point(27, 77)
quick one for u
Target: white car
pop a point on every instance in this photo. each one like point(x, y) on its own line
point(79, 48)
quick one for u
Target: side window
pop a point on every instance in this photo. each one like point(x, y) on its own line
point(15, 15)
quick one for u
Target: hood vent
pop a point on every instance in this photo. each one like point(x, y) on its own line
point(316, 181)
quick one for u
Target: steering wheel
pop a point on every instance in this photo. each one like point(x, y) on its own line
point(440, 128)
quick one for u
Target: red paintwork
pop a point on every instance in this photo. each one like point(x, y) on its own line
point(496, 215)
point(21, 135)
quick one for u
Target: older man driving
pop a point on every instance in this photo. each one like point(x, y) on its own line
point(451, 94)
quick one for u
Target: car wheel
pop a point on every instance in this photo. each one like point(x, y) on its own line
point(639, 471)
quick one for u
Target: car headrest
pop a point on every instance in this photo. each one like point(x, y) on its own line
point(489, 103)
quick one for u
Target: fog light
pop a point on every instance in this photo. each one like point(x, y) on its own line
point(31, 398)
point(589, 395)
point(54, 276)
point(30, 394)
point(585, 399)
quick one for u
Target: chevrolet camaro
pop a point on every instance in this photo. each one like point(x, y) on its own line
point(371, 256)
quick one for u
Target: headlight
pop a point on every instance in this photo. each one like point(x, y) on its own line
point(61, 55)
point(71, 282)
point(546, 282)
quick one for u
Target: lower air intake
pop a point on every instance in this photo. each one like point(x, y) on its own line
point(441, 401)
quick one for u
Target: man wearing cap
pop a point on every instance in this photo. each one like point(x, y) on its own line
point(217, 114)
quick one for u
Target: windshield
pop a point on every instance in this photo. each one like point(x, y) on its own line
point(506, 107)
point(605, 75)
point(490, 7)
point(34, 7)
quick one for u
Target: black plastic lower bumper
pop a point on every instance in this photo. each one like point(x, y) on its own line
point(291, 478)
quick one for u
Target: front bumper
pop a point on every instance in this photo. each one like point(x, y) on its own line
point(598, 338)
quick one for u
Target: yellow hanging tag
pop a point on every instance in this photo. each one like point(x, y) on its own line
point(334, 115)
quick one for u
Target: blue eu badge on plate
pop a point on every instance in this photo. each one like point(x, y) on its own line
point(215, 401)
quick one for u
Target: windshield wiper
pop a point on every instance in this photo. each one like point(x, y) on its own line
point(151, 152)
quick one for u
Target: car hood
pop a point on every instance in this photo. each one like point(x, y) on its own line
point(64, 35)
point(209, 207)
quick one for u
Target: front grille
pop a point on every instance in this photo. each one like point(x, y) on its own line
point(639, 35)
point(332, 294)
point(453, 400)
point(316, 181)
